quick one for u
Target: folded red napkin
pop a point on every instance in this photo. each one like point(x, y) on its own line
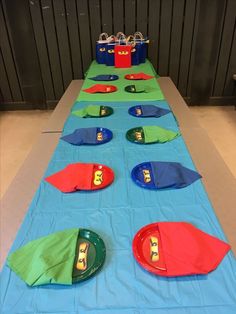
point(100, 88)
point(138, 76)
point(81, 176)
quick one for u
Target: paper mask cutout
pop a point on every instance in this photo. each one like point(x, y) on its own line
point(81, 263)
point(177, 249)
point(81, 176)
point(88, 136)
point(163, 175)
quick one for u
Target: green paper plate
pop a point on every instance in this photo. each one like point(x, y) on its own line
point(105, 111)
point(136, 135)
point(135, 89)
point(96, 253)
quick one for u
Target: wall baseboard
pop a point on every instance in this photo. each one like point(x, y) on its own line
point(22, 105)
point(51, 104)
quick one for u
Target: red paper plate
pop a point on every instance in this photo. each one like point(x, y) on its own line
point(147, 249)
point(173, 249)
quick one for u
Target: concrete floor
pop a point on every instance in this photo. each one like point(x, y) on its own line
point(20, 129)
point(220, 125)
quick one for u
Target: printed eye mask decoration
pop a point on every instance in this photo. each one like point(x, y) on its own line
point(157, 175)
point(98, 177)
point(154, 251)
point(93, 111)
point(138, 76)
point(81, 176)
point(123, 53)
point(146, 111)
point(150, 134)
point(105, 77)
point(172, 249)
point(82, 257)
point(63, 258)
point(88, 136)
point(100, 88)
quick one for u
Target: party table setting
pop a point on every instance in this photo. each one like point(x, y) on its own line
point(121, 221)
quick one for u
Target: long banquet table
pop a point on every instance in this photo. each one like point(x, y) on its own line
point(118, 212)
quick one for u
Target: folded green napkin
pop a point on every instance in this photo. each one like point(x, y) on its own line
point(90, 110)
point(158, 134)
point(46, 260)
point(140, 89)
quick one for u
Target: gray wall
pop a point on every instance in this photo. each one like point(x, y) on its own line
point(47, 43)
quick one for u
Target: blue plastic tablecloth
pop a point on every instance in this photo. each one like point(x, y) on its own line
point(117, 213)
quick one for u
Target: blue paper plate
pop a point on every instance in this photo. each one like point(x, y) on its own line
point(142, 176)
point(163, 175)
point(105, 77)
point(133, 111)
point(106, 135)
